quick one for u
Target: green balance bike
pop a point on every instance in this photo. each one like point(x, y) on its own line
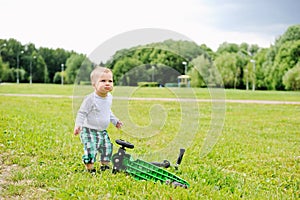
point(142, 170)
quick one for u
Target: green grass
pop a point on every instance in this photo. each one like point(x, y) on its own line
point(256, 156)
point(12, 88)
point(200, 93)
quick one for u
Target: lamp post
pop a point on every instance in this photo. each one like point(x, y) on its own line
point(3, 45)
point(253, 71)
point(247, 81)
point(30, 80)
point(62, 74)
point(153, 73)
point(184, 63)
point(18, 63)
point(253, 80)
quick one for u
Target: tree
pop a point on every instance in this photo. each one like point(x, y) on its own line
point(204, 73)
point(291, 34)
point(228, 48)
point(291, 79)
point(122, 67)
point(281, 57)
point(226, 64)
point(286, 58)
point(5, 71)
point(78, 68)
point(260, 71)
point(58, 77)
point(54, 58)
point(39, 70)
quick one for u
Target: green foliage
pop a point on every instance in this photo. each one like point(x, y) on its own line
point(281, 57)
point(54, 58)
point(204, 73)
point(228, 48)
point(167, 54)
point(122, 67)
point(291, 79)
point(44, 62)
point(78, 69)
point(58, 77)
point(5, 72)
point(261, 70)
point(291, 34)
point(148, 84)
point(233, 62)
point(226, 64)
point(287, 57)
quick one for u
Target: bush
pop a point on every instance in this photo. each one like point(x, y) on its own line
point(57, 77)
point(171, 85)
point(182, 85)
point(148, 84)
point(291, 79)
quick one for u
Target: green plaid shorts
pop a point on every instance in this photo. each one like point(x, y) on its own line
point(95, 141)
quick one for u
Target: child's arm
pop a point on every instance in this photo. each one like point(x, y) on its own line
point(77, 130)
point(119, 124)
point(81, 115)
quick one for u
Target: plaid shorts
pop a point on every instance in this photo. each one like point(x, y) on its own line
point(95, 141)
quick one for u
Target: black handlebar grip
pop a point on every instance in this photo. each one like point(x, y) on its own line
point(179, 159)
point(164, 164)
point(158, 164)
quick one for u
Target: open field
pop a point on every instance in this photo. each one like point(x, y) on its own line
point(257, 155)
point(203, 93)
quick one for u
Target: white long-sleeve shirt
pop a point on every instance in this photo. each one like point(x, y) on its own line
point(95, 112)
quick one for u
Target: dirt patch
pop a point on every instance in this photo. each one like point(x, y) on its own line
point(7, 172)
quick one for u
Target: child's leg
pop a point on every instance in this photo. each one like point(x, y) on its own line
point(105, 148)
point(88, 138)
point(89, 166)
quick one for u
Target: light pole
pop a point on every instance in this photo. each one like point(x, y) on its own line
point(3, 45)
point(247, 81)
point(62, 74)
point(153, 73)
point(184, 63)
point(34, 57)
point(18, 63)
point(254, 77)
point(253, 71)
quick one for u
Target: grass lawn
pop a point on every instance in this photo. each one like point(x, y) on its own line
point(200, 93)
point(257, 155)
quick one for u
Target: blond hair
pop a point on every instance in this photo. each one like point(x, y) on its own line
point(97, 72)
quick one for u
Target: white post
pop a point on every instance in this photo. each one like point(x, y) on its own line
point(185, 70)
point(62, 74)
point(18, 63)
point(254, 77)
point(247, 81)
point(152, 73)
point(34, 57)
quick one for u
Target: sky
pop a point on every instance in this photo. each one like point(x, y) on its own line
point(84, 25)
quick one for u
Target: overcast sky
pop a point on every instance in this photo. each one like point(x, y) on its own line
point(83, 25)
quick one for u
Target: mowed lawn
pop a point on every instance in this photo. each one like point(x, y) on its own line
point(255, 156)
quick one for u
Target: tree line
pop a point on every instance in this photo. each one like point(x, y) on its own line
point(241, 66)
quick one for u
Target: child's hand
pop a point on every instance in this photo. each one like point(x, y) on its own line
point(77, 130)
point(119, 124)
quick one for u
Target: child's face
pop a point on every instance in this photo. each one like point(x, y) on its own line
point(104, 84)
